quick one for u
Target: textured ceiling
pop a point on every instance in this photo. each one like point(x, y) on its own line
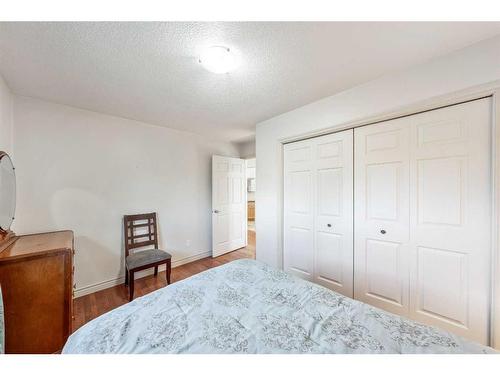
point(149, 71)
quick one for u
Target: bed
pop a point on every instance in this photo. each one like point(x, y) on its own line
point(249, 307)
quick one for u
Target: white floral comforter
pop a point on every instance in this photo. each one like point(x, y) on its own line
point(248, 307)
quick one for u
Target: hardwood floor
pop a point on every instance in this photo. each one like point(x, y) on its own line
point(93, 305)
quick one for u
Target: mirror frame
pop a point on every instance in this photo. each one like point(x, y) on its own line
point(7, 237)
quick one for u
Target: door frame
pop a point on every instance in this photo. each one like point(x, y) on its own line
point(473, 93)
point(212, 203)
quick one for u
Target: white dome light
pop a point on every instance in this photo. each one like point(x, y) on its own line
point(218, 59)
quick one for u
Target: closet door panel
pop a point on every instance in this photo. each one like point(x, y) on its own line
point(382, 268)
point(329, 259)
point(318, 210)
point(382, 215)
point(329, 228)
point(441, 190)
point(450, 227)
point(423, 217)
point(442, 285)
point(298, 239)
point(333, 212)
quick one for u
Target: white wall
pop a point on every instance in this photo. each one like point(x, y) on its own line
point(475, 65)
point(83, 171)
point(5, 118)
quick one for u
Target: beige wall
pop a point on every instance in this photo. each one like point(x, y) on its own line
point(246, 149)
point(5, 117)
point(83, 171)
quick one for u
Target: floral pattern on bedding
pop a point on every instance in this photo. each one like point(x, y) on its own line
point(249, 307)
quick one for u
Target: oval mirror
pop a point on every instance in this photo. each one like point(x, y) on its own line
point(7, 192)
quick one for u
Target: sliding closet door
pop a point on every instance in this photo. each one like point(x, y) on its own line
point(382, 215)
point(298, 241)
point(450, 222)
point(333, 229)
point(422, 217)
point(318, 218)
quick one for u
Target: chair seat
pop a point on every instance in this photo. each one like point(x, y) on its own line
point(145, 257)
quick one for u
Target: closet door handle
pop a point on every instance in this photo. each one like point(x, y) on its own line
point(329, 225)
point(383, 231)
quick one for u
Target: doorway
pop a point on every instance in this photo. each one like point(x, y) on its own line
point(251, 189)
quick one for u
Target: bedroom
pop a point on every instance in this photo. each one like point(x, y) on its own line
point(253, 187)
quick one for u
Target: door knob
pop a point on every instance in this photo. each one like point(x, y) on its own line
point(216, 211)
point(329, 225)
point(383, 231)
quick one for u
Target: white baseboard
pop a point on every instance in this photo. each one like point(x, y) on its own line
point(192, 258)
point(99, 286)
point(79, 292)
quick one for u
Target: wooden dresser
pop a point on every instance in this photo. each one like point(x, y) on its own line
point(36, 275)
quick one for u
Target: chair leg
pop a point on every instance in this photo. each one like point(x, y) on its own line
point(131, 287)
point(169, 268)
point(126, 276)
point(156, 271)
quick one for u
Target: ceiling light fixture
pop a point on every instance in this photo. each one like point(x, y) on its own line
point(218, 59)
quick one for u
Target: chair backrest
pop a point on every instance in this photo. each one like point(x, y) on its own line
point(140, 231)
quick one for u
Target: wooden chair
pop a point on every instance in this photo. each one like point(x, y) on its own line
point(136, 261)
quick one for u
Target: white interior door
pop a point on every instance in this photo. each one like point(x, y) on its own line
point(318, 227)
point(450, 201)
point(422, 217)
point(381, 210)
point(298, 241)
point(229, 197)
point(333, 213)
